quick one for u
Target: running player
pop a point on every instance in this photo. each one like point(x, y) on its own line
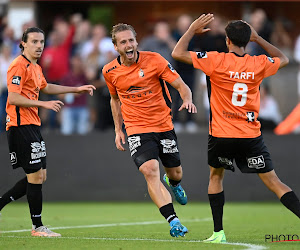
point(139, 96)
point(233, 81)
point(26, 146)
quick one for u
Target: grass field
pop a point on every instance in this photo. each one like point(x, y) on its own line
point(140, 226)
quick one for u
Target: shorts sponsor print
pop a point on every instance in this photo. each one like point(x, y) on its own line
point(249, 154)
point(27, 148)
point(147, 146)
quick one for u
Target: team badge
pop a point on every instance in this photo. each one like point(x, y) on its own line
point(16, 80)
point(271, 59)
point(201, 54)
point(141, 73)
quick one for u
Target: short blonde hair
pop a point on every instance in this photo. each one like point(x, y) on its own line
point(118, 28)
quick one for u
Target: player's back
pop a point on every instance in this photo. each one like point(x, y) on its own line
point(233, 87)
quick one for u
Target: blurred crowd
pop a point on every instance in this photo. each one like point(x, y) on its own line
point(76, 50)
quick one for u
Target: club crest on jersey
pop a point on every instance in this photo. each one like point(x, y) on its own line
point(250, 117)
point(16, 80)
point(171, 67)
point(141, 73)
point(201, 54)
point(271, 59)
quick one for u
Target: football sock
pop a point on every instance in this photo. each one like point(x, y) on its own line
point(216, 204)
point(35, 199)
point(291, 202)
point(168, 212)
point(174, 183)
point(18, 191)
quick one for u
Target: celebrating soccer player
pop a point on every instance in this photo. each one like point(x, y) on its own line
point(233, 81)
point(139, 97)
point(26, 146)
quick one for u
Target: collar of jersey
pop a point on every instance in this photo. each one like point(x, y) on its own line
point(26, 58)
point(119, 58)
point(238, 54)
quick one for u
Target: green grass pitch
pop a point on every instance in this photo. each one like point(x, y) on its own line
point(140, 226)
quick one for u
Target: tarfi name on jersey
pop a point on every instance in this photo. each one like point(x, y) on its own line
point(241, 75)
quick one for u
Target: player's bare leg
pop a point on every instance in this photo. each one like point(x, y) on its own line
point(161, 197)
point(216, 200)
point(287, 197)
point(157, 191)
point(216, 180)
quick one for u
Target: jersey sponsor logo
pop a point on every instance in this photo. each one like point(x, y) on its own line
point(201, 54)
point(141, 73)
point(169, 146)
point(271, 59)
point(16, 80)
point(250, 117)
point(133, 89)
point(256, 162)
point(171, 67)
point(111, 69)
point(13, 158)
point(38, 150)
point(134, 142)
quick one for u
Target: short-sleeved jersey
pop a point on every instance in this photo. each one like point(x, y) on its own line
point(26, 79)
point(142, 90)
point(233, 88)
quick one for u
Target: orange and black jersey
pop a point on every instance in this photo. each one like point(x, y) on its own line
point(144, 96)
point(233, 88)
point(26, 79)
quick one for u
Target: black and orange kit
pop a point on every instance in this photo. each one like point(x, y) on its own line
point(26, 145)
point(146, 106)
point(233, 87)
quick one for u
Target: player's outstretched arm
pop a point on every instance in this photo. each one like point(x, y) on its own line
point(185, 94)
point(180, 52)
point(21, 101)
point(54, 89)
point(271, 49)
point(118, 121)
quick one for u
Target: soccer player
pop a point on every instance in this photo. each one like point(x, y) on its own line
point(233, 81)
point(139, 97)
point(26, 146)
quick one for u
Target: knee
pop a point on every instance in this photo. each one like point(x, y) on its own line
point(174, 173)
point(216, 175)
point(149, 170)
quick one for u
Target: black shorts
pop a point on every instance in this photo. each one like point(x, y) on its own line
point(27, 148)
point(250, 154)
point(147, 146)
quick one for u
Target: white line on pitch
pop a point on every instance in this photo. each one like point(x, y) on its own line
point(110, 225)
point(247, 245)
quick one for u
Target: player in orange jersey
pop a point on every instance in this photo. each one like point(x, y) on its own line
point(27, 148)
point(140, 97)
point(233, 81)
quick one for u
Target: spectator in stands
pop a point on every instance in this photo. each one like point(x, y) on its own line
point(75, 112)
point(187, 73)
point(269, 114)
point(55, 61)
point(5, 60)
point(161, 41)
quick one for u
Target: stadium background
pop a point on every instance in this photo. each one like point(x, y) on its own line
point(90, 168)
